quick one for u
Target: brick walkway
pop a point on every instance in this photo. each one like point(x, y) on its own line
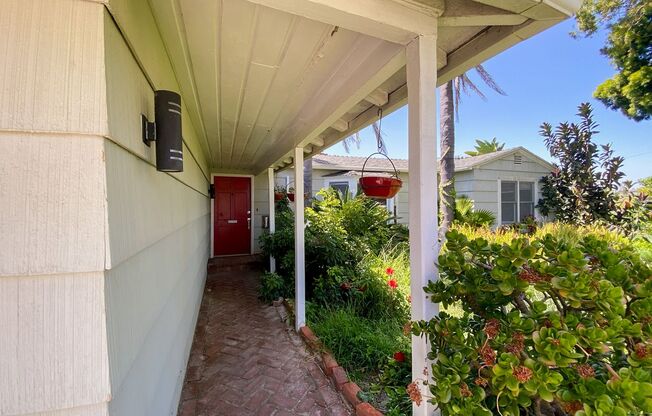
point(246, 361)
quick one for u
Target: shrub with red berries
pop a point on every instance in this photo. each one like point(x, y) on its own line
point(549, 327)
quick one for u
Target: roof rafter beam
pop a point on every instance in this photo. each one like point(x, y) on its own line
point(390, 20)
point(378, 98)
point(501, 19)
point(340, 125)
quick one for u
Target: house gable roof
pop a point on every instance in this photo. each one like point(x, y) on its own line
point(376, 164)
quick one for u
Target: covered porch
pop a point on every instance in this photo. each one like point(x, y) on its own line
point(264, 84)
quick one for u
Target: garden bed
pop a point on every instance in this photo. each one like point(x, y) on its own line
point(529, 316)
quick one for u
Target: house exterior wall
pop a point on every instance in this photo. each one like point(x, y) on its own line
point(103, 259)
point(479, 184)
point(485, 190)
point(53, 348)
point(158, 227)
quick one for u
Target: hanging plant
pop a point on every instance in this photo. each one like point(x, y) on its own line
point(380, 186)
point(290, 192)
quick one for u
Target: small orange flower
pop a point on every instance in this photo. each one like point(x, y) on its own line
point(392, 283)
point(517, 345)
point(389, 271)
point(488, 355)
point(414, 393)
point(480, 381)
point(522, 374)
point(399, 356)
point(572, 407)
point(407, 328)
point(491, 328)
point(464, 390)
point(585, 371)
point(641, 350)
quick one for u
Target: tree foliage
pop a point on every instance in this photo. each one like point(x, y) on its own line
point(629, 47)
point(548, 328)
point(583, 187)
point(483, 147)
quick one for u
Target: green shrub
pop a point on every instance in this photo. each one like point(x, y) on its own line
point(552, 326)
point(272, 287)
point(340, 232)
point(359, 344)
point(466, 214)
point(394, 377)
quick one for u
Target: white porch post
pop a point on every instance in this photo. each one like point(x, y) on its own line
point(271, 183)
point(422, 165)
point(299, 243)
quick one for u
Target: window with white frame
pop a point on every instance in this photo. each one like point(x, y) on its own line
point(516, 201)
point(342, 187)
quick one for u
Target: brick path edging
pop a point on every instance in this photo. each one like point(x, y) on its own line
point(335, 372)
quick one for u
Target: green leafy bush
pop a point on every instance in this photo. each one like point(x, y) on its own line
point(466, 214)
point(340, 232)
point(272, 287)
point(551, 326)
point(361, 345)
point(394, 378)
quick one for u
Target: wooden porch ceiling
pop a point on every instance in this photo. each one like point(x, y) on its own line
point(260, 77)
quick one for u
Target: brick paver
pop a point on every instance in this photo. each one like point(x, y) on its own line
point(246, 361)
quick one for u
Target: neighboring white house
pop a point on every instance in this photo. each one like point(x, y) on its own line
point(504, 182)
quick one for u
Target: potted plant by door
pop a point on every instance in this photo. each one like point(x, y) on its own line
point(279, 193)
point(290, 193)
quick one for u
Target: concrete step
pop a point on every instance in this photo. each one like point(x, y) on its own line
point(235, 263)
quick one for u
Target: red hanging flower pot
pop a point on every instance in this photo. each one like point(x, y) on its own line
point(291, 196)
point(278, 196)
point(379, 186)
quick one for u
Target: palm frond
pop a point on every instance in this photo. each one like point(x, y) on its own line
point(352, 140)
point(380, 141)
point(489, 80)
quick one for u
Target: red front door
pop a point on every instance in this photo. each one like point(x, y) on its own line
point(232, 234)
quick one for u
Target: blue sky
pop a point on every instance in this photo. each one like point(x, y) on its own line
point(545, 78)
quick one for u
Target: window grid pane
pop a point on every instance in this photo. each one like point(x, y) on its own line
point(526, 192)
point(508, 212)
point(527, 210)
point(508, 191)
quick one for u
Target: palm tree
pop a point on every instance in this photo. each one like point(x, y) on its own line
point(482, 147)
point(449, 99)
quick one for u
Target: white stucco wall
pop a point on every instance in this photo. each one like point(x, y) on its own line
point(53, 346)
point(158, 230)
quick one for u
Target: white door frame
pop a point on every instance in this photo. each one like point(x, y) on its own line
point(251, 209)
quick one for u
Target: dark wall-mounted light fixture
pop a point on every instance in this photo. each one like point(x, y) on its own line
point(165, 131)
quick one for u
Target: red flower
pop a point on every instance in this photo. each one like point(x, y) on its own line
point(392, 283)
point(389, 271)
point(399, 356)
